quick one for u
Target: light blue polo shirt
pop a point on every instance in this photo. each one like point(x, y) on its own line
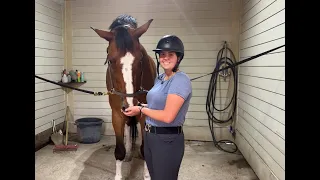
point(178, 84)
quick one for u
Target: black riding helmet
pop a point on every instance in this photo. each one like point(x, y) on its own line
point(170, 43)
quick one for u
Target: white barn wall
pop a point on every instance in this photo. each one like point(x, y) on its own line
point(203, 25)
point(261, 100)
point(49, 63)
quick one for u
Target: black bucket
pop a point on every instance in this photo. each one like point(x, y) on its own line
point(89, 130)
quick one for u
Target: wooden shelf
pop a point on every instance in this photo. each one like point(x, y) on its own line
point(72, 84)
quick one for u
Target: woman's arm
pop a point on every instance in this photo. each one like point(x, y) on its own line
point(173, 105)
point(179, 90)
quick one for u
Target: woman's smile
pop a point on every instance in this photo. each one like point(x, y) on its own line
point(166, 62)
point(168, 59)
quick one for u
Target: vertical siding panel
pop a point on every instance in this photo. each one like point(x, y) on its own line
point(261, 120)
point(49, 63)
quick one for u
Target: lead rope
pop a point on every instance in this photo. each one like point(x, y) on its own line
point(110, 78)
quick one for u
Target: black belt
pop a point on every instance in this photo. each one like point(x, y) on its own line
point(163, 130)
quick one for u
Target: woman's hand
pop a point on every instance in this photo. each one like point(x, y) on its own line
point(132, 111)
point(144, 105)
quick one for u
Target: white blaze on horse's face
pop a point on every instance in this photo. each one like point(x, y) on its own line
point(127, 62)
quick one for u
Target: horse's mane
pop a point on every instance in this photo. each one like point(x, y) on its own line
point(123, 20)
point(123, 39)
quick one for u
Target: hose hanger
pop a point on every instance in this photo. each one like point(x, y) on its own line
point(225, 73)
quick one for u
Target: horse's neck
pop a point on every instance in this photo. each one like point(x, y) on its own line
point(146, 57)
point(149, 69)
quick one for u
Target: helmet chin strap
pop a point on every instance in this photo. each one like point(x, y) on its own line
point(158, 63)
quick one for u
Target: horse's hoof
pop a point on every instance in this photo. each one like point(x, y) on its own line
point(118, 177)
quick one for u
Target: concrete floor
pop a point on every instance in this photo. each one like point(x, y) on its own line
point(202, 161)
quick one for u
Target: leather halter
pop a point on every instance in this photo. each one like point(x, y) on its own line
point(113, 91)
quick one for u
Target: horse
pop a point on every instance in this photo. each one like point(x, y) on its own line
point(130, 74)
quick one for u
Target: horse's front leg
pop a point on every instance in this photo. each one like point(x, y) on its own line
point(146, 174)
point(118, 123)
point(128, 143)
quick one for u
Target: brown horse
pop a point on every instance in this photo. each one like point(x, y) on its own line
point(131, 73)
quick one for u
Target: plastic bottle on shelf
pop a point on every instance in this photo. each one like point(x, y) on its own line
point(64, 78)
point(78, 75)
point(82, 77)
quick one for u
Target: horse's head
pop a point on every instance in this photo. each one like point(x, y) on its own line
point(123, 41)
point(125, 54)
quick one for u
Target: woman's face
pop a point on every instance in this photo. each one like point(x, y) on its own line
point(168, 60)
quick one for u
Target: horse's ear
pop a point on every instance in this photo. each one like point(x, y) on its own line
point(142, 29)
point(104, 34)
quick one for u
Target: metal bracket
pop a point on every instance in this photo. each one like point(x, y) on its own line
point(225, 73)
point(147, 127)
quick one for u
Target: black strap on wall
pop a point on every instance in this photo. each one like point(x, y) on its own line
point(216, 71)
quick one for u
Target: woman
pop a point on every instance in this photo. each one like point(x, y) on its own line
point(168, 102)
